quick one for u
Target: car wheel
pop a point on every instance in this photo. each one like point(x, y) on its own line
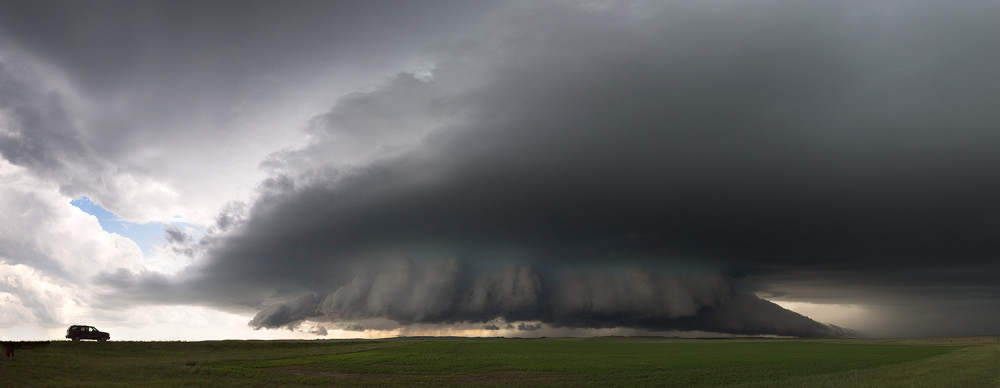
point(75, 339)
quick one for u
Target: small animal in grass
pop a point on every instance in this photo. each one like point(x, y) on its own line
point(10, 346)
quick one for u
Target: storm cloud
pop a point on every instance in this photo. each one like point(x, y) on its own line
point(641, 165)
point(443, 292)
point(163, 108)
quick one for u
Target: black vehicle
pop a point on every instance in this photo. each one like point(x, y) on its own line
point(78, 332)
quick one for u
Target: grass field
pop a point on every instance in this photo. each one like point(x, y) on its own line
point(969, 362)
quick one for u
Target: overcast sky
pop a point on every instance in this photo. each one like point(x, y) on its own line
point(206, 170)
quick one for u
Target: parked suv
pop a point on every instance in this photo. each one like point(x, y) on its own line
point(78, 332)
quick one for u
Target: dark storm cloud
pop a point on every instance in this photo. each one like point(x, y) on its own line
point(528, 327)
point(156, 81)
point(368, 125)
point(174, 235)
point(111, 43)
point(232, 214)
point(445, 292)
point(750, 141)
point(37, 133)
point(286, 314)
point(354, 327)
point(319, 330)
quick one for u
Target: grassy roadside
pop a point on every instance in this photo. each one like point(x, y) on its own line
point(150, 364)
point(569, 362)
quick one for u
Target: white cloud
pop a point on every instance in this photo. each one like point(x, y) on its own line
point(49, 250)
point(40, 228)
point(29, 296)
point(189, 323)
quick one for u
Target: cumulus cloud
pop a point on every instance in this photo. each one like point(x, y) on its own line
point(31, 296)
point(40, 134)
point(49, 251)
point(43, 230)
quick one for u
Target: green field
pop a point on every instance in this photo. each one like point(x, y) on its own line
point(971, 362)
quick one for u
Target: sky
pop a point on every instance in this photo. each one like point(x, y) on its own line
point(187, 170)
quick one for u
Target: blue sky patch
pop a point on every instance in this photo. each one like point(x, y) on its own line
point(146, 235)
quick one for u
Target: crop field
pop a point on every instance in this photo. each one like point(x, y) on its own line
point(969, 362)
